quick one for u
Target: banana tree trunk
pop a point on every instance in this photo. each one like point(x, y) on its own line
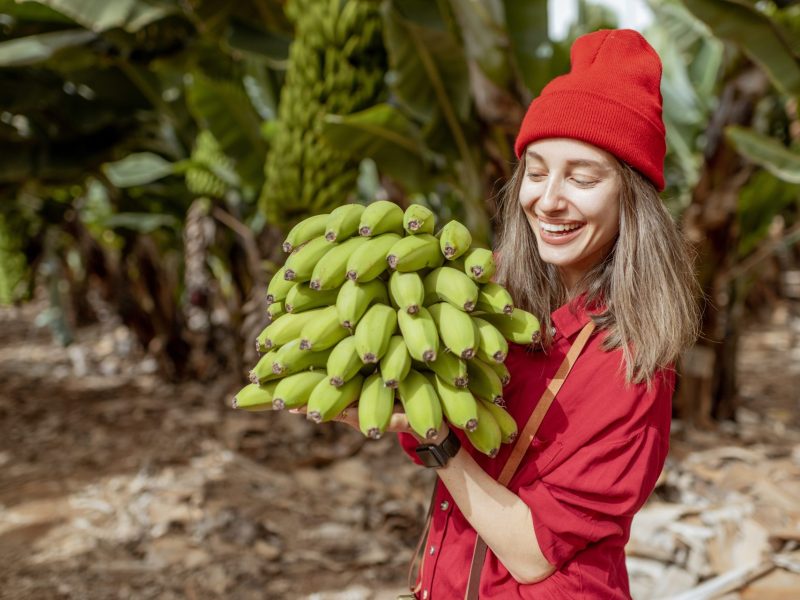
point(708, 389)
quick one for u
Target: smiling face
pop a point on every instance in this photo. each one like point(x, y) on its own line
point(570, 195)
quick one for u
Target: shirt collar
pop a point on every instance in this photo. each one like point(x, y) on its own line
point(570, 318)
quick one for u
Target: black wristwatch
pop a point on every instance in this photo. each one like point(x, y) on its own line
point(437, 455)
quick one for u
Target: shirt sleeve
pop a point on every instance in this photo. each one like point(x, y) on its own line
point(594, 493)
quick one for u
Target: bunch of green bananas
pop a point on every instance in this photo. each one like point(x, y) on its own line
point(336, 66)
point(210, 172)
point(370, 305)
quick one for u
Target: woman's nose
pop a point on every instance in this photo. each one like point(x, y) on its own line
point(551, 199)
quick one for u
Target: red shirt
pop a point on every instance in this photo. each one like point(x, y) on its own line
point(593, 463)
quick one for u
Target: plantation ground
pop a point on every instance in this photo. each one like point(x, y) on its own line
point(114, 484)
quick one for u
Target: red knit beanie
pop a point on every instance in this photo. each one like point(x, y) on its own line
point(611, 98)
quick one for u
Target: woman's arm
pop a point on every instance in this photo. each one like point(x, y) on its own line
point(499, 516)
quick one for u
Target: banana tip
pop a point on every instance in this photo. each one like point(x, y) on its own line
point(493, 452)
point(413, 225)
point(471, 425)
point(468, 354)
point(391, 260)
point(277, 368)
point(461, 382)
point(330, 236)
point(449, 251)
point(476, 270)
point(429, 355)
point(412, 309)
point(499, 356)
point(511, 438)
point(315, 416)
point(391, 383)
point(431, 433)
point(352, 275)
point(287, 247)
point(469, 306)
point(374, 433)
point(278, 404)
point(337, 382)
point(365, 231)
point(289, 275)
point(235, 403)
point(369, 357)
point(508, 309)
point(305, 344)
point(253, 377)
point(500, 401)
point(314, 284)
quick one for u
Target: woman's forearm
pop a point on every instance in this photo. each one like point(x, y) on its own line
point(499, 516)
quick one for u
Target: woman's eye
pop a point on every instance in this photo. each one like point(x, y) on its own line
point(580, 182)
point(535, 176)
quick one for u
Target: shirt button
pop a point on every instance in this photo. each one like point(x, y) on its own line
point(552, 332)
point(432, 550)
point(424, 594)
point(444, 505)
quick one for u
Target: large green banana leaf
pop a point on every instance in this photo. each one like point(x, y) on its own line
point(33, 49)
point(385, 135)
point(758, 36)
point(101, 15)
point(526, 24)
point(766, 152)
point(138, 168)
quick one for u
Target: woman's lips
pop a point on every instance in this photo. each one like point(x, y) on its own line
point(558, 238)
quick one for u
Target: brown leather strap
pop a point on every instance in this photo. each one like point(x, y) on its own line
point(523, 443)
point(418, 552)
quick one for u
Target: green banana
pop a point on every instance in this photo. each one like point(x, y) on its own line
point(484, 382)
point(507, 424)
point(415, 252)
point(294, 391)
point(343, 222)
point(331, 271)
point(302, 298)
point(418, 219)
point(290, 358)
point(374, 331)
point(419, 333)
point(262, 372)
point(344, 363)
point(451, 285)
point(355, 298)
point(455, 328)
point(458, 404)
point(380, 217)
point(494, 298)
point(327, 401)
point(421, 404)
point(479, 264)
point(301, 262)
point(486, 437)
point(278, 286)
point(369, 260)
point(501, 370)
point(454, 239)
point(395, 363)
point(450, 369)
point(492, 345)
point(520, 327)
point(323, 332)
point(407, 291)
point(375, 407)
point(304, 231)
point(284, 329)
point(254, 397)
point(275, 310)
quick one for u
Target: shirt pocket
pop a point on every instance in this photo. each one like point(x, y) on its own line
point(543, 454)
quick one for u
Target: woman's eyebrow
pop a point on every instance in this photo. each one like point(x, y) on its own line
point(577, 162)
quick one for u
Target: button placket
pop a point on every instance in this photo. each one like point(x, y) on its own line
point(435, 540)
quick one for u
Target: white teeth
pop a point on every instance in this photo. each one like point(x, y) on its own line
point(558, 228)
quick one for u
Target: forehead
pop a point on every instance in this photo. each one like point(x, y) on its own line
point(569, 152)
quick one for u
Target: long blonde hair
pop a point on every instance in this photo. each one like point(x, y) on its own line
point(646, 282)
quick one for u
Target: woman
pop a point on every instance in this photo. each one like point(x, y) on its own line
point(584, 236)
